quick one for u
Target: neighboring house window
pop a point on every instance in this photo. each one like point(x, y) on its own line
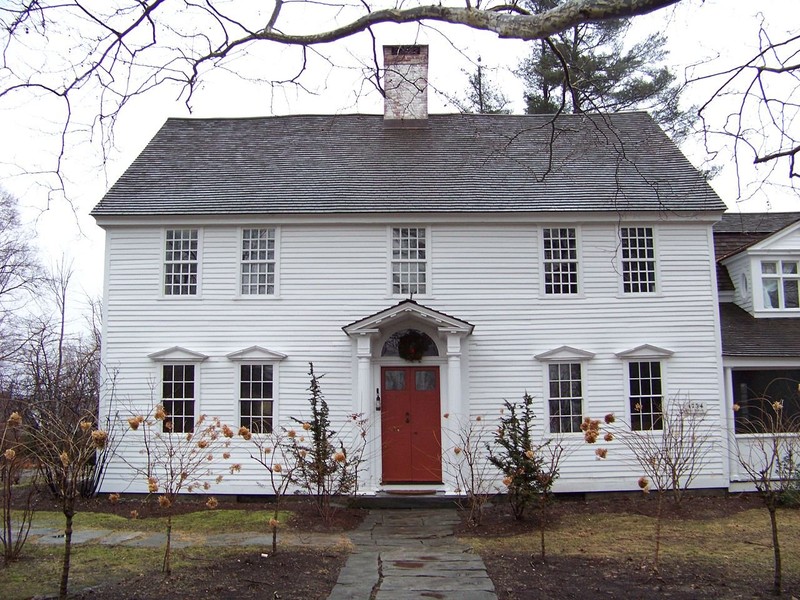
point(560, 260)
point(409, 260)
point(779, 279)
point(638, 260)
point(258, 262)
point(256, 397)
point(566, 397)
point(755, 392)
point(180, 262)
point(646, 398)
point(177, 397)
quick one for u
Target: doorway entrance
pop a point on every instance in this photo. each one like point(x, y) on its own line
point(411, 425)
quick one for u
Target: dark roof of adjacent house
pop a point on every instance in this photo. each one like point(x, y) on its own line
point(744, 335)
point(457, 163)
point(736, 232)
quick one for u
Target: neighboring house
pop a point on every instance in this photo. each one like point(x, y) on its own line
point(758, 258)
point(568, 257)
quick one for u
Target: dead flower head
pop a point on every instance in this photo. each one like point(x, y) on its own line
point(306, 426)
point(152, 485)
point(291, 433)
point(99, 438)
point(134, 422)
point(10, 454)
point(457, 450)
point(736, 407)
point(609, 437)
point(202, 444)
point(160, 413)
point(212, 503)
point(113, 498)
point(14, 419)
point(226, 455)
point(610, 418)
point(227, 431)
point(644, 484)
point(164, 502)
point(85, 425)
point(601, 453)
point(64, 457)
point(134, 514)
point(507, 481)
point(245, 433)
point(277, 468)
point(273, 523)
point(339, 457)
point(235, 468)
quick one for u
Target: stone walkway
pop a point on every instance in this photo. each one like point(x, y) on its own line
point(413, 553)
point(398, 554)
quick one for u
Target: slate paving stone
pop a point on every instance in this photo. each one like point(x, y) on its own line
point(78, 537)
point(418, 556)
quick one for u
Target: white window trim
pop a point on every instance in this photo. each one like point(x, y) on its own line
point(627, 387)
point(757, 289)
point(428, 259)
point(179, 356)
point(543, 295)
point(277, 260)
point(163, 262)
point(564, 355)
point(619, 262)
point(546, 367)
point(257, 355)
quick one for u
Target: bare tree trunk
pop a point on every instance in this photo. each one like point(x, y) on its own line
point(166, 567)
point(776, 548)
point(542, 514)
point(659, 509)
point(69, 512)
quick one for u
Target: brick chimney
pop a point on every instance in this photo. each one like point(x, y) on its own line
point(405, 82)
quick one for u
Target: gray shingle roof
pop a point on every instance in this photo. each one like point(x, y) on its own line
point(744, 335)
point(459, 163)
point(737, 231)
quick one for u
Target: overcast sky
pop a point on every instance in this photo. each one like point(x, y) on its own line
point(725, 29)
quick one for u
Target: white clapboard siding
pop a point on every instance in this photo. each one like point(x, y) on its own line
point(488, 274)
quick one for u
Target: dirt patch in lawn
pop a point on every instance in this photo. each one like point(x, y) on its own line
point(712, 547)
point(246, 575)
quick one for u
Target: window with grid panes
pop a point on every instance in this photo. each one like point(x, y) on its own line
point(177, 397)
point(180, 262)
point(256, 397)
point(409, 260)
point(566, 397)
point(560, 260)
point(646, 398)
point(258, 262)
point(638, 260)
point(779, 280)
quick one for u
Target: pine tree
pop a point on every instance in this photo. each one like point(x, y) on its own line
point(483, 96)
point(587, 69)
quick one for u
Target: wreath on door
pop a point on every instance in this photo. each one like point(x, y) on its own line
point(412, 345)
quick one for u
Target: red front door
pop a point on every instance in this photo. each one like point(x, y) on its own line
point(411, 426)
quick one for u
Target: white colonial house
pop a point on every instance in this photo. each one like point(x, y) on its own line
point(569, 257)
point(758, 256)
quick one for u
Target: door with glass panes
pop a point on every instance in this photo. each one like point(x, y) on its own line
point(411, 425)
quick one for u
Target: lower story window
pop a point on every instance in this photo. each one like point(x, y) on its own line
point(646, 396)
point(177, 397)
point(566, 397)
point(757, 393)
point(256, 397)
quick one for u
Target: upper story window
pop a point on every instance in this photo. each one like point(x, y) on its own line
point(560, 260)
point(180, 262)
point(258, 262)
point(638, 260)
point(779, 280)
point(409, 260)
point(566, 397)
point(645, 395)
point(256, 397)
point(178, 397)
